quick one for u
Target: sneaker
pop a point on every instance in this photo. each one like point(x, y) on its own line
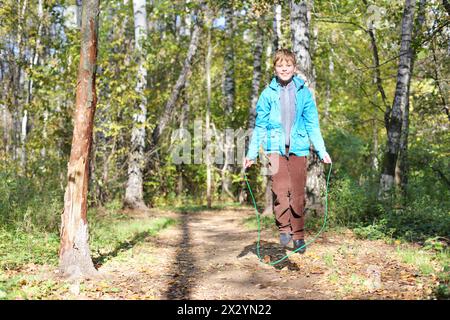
point(285, 238)
point(300, 244)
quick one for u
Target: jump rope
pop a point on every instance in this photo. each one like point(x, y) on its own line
point(259, 226)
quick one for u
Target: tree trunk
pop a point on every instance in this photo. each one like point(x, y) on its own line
point(134, 193)
point(402, 163)
point(184, 119)
point(256, 82)
point(7, 127)
point(396, 118)
point(74, 255)
point(187, 20)
point(278, 38)
point(377, 75)
point(20, 114)
point(300, 24)
point(208, 21)
point(378, 83)
point(229, 97)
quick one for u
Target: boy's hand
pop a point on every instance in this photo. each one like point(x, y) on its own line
point(248, 163)
point(326, 158)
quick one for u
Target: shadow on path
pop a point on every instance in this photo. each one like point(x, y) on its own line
point(184, 266)
point(270, 252)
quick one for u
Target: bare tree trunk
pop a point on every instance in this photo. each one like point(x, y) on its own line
point(394, 129)
point(74, 255)
point(134, 193)
point(300, 24)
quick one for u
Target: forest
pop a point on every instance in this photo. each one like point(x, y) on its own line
point(124, 125)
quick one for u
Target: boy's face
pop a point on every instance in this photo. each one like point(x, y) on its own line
point(284, 69)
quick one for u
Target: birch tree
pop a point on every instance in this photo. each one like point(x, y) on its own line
point(300, 25)
point(134, 193)
point(228, 96)
point(402, 163)
point(395, 121)
point(277, 39)
point(377, 80)
point(256, 84)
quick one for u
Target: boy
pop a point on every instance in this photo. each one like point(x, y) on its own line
point(286, 120)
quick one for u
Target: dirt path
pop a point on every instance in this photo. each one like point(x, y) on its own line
point(215, 258)
point(212, 255)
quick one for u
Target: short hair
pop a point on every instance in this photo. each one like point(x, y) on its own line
point(284, 54)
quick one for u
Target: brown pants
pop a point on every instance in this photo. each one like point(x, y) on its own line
point(288, 176)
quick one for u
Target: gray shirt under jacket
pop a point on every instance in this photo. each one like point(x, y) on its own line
point(287, 105)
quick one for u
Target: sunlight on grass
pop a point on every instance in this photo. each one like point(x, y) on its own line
point(418, 258)
point(108, 236)
point(111, 233)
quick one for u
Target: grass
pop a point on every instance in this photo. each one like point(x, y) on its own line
point(424, 261)
point(18, 248)
point(430, 261)
point(111, 235)
point(328, 258)
point(265, 222)
point(25, 286)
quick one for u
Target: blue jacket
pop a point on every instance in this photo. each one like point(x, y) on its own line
point(268, 128)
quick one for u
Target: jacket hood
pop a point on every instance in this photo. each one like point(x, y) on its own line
point(299, 83)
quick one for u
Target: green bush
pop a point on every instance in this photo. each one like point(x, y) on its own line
point(26, 205)
point(351, 204)
point(422, 216)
